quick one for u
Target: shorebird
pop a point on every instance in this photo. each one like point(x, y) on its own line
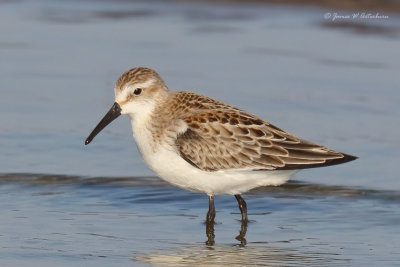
point(203, 145)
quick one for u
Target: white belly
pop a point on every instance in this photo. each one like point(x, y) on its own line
point(171, 167)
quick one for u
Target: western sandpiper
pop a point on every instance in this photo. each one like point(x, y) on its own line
point(203, 145)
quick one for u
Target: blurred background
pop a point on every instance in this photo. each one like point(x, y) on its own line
point(327, 72)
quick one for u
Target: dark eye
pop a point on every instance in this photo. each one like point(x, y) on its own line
point(137, 91)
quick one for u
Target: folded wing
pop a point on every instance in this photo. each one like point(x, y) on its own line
point(230, 139)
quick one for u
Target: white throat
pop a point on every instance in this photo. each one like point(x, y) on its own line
point(141, 127)
point(141, 117)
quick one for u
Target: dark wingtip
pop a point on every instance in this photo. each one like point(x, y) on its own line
point(347, 158)
point(329, 162)
point(87, 142)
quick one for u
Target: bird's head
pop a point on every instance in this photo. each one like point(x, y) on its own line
point(137, 92)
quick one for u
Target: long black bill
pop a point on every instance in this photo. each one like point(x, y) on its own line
point(111, 115)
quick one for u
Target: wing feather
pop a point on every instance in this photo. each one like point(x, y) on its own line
point(231, 139)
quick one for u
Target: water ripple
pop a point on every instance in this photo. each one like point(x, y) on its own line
point(158, 190)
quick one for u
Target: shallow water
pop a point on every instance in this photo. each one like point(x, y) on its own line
point(331, 82)
point(63, 220)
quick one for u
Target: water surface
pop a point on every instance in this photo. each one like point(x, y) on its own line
point(62, 220)
point(331, 82)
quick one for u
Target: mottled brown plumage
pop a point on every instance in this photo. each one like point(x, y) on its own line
point(222, 137)
point(218, 136)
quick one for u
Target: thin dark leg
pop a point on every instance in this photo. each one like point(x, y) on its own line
point(243, 229)
point(210, 222)
point(242, 207)
point(211, 210)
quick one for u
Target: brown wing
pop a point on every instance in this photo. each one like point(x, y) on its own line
point(228, 139)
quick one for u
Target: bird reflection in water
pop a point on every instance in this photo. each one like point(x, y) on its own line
point(210, 233)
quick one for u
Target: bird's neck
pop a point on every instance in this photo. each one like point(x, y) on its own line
point(141, 127)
